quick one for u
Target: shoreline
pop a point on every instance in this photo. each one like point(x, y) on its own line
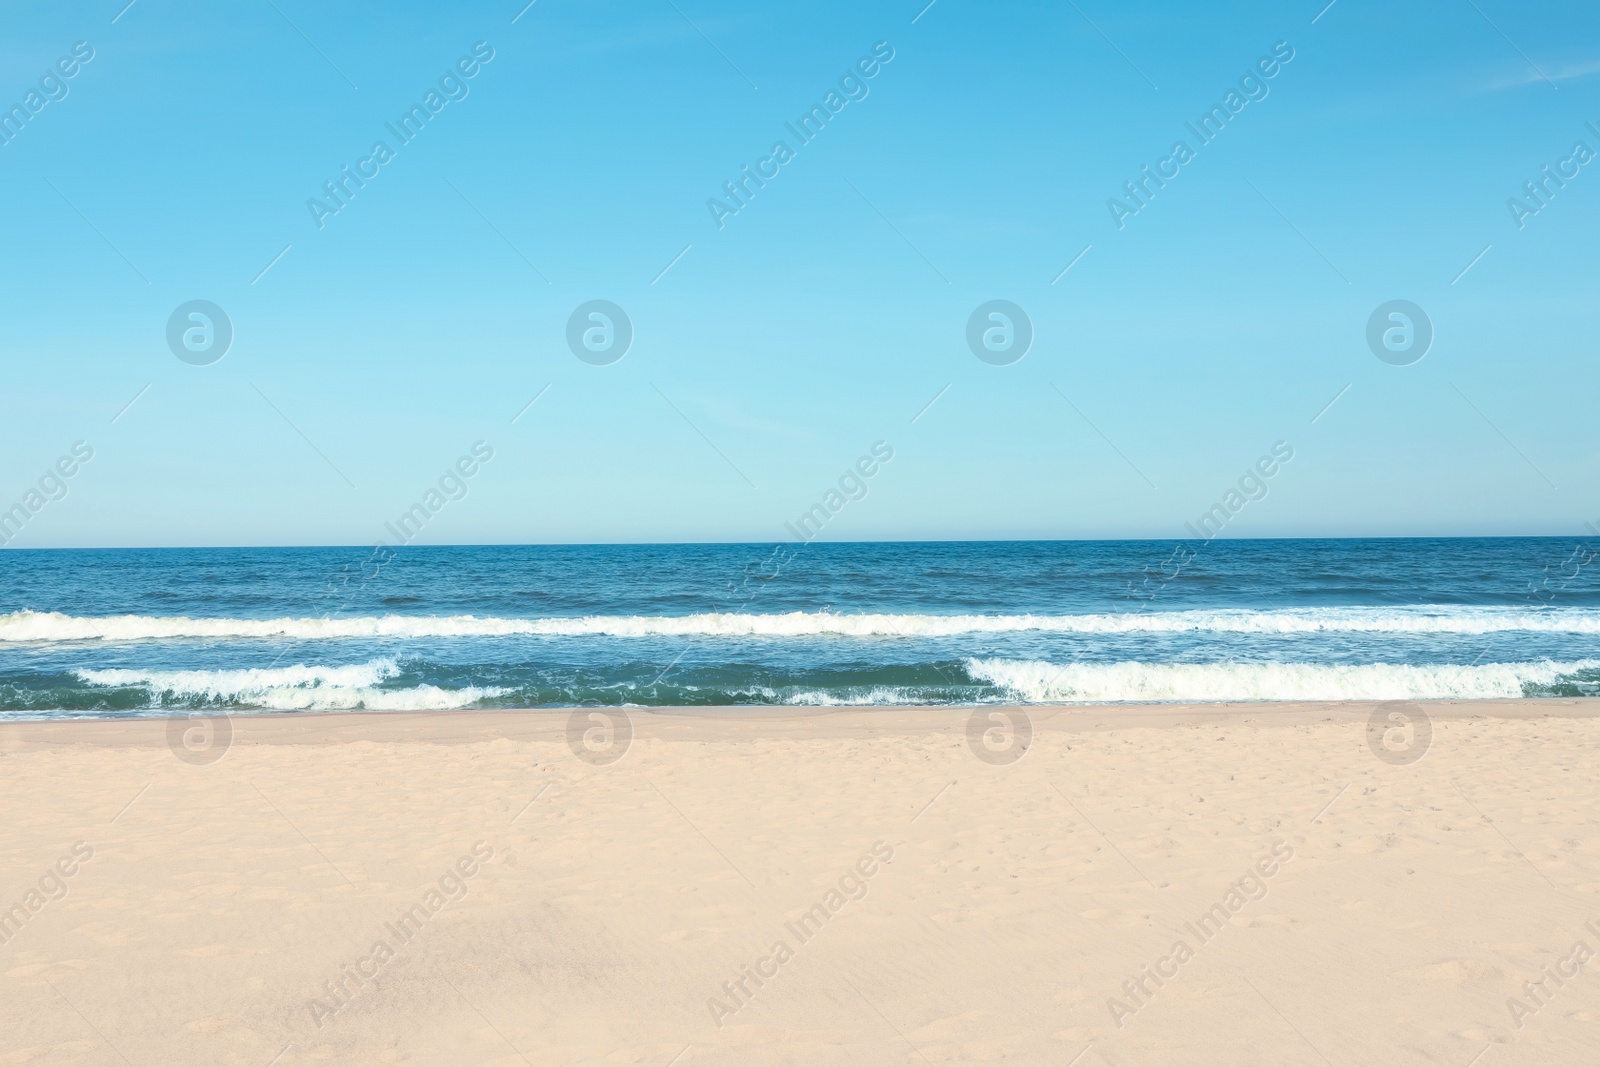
point(752, 721)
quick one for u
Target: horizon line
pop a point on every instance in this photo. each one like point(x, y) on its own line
point(736, 543)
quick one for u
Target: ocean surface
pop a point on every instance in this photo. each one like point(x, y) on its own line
point(143, 632)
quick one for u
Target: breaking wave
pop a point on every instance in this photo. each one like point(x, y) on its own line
point(296, 688)
point(1038, 682)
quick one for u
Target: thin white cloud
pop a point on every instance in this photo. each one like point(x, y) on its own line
point(1528, 76)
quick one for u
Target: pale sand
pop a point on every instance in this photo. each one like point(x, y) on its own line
point(1019, 897)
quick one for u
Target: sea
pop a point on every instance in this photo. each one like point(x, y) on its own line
point(144, 632)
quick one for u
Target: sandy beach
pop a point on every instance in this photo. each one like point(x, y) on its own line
point(1240, 884)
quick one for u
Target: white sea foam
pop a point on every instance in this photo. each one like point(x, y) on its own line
point(322, 688)
point(296, 688)
point(1440, 619)
point(1035, 681)
point(857, 696)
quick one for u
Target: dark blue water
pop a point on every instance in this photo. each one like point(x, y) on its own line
point(142, 631)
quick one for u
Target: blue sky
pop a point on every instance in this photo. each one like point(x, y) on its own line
point(828, 312)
